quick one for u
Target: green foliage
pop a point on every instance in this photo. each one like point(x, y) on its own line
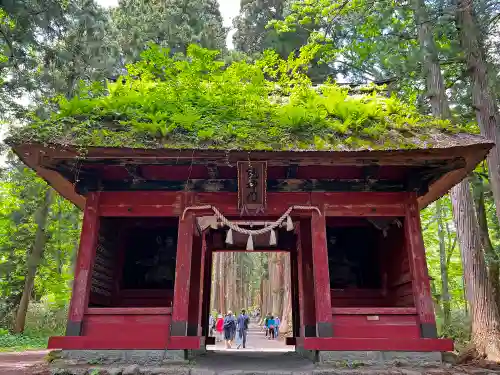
point(44, 319)
point(22, 194)
point(10, 342)
point(168, 23)
point(198, 101)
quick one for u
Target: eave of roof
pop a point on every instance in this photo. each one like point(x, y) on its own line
point(472, 148)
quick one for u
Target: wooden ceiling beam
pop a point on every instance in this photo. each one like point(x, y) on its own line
point(292, 167)
point(386, 160)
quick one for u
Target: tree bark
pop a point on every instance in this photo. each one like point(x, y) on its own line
point(274, 282)
point(485, 329)
point(445, 293)
point(430, 61)
point(489, 251)
point(222, 283)
point(485, 338)
point(34, 259)
point(286, 313)
point(483, 99)
point(214, 301)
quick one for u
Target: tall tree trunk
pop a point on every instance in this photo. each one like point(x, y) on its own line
point(234, 281)
point(274, 283)
point(34, 259)
point(222, 283)
point(489, 251)
point(445, 293)
point(485, 338)
point(286, 313)
point(214, 301)
point(485, 335)
point(430, 61)
point(483, 99)
point(241, 292)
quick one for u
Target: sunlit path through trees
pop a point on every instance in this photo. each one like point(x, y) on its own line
point(251, 281)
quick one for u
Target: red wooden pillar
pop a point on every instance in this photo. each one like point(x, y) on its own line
point(306, 281)
point(195, 288)
point(202, 308)
point(297, 307)
point(322, 293)
point(180, 308)
point(207, 283)
point(84, 264)
point(418, 268)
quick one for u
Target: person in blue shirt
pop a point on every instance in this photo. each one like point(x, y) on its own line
point(243, 321)
point(271, 324)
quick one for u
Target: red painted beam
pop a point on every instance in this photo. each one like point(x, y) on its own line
point(134, 204)
point(374, 311)
point(364, 344)
point(129, 311)
point(106, 343)
point(385, 331)
point(184, 342)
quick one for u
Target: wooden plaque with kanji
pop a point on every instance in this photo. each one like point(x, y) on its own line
point(252, 184)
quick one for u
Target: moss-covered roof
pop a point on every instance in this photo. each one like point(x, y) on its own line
point(199, 103)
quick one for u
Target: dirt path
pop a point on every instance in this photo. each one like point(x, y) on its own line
point(24, 363)
point(257, 341)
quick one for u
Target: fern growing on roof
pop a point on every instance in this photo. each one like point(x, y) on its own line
point(196, 101)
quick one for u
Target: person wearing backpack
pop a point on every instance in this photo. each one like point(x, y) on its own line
point(265, 324)
point(243, 321)
point(229, 329)
point(271, 324)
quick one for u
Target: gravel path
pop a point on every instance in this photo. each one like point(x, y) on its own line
point(24, 363)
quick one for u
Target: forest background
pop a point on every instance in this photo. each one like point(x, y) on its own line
point(440, 56)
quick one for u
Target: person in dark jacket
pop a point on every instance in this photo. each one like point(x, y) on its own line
point(243, 321)
point(229, 329)
point(265, 323)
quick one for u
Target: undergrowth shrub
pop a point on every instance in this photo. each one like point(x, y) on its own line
point(459, 329)
point(44, 319)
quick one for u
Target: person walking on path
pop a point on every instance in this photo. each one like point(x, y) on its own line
point(265, 324)
point(229, 329)
point(219, 327)
point(271, 324)
point(243, 321)
point(277, 322)
point(211, 325)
